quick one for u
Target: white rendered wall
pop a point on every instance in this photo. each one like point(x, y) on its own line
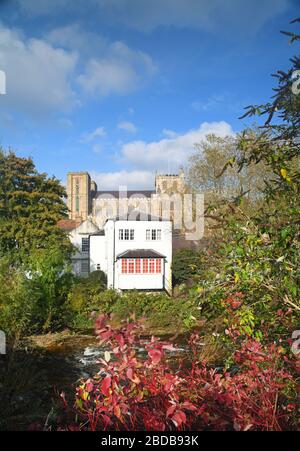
point(76, 235)
point(163, 246)
point(98, 253)
point(105, 249)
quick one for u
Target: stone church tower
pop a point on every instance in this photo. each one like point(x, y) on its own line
point(80, 190)
point(170, 183)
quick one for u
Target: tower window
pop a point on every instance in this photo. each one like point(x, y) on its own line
point(77, 203)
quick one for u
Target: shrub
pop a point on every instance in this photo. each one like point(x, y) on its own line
point(33, 295)
point(185, 265)
point(16, 301)
point(159, 309)
point(134, 394)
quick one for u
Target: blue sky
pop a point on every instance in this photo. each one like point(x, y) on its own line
point(124, 88)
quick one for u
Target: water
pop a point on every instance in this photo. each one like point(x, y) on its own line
point(85, 358)
point(38, 373)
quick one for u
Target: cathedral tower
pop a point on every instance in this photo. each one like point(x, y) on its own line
point(170, 183)
point(79, 195)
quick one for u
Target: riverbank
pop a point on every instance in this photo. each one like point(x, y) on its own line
point(43, 366)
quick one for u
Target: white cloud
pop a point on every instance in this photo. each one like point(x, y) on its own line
point(166, 155)
point(169, 154)
point(42, 74)
point(74, 37)
point(108, 67)
point(38, 74)
point(169, 133)
point(121, 70)
point(132, 179)
point(127, 126)
point(145, 15)
point(42, 7)
point(200, 14)
point(99, 132)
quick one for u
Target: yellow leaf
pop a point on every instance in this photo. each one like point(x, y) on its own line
point(85, 395)
point(107, 356)
point(283, 173)
point(236, 278)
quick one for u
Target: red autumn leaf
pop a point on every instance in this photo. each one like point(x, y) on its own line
point(106, 420)
point(131, 376)
point(155, 355)
point(105, 385)
point(89, 386)
point(100, 322)
point(171, 410)
point(179, 418)
point(189, 406)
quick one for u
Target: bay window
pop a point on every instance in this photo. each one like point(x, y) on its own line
point(141, 265)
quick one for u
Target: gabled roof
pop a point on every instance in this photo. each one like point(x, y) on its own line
point(140, 253)
point(136, 215)
point(69, 224)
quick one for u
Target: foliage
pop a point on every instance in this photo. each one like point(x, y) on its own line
point(33, 296)
point(207, 174)
point(83, 299)
point(30, 206)
point(277, 144)
point(129, 393)
point(282, 112)
point(16, 301)
point(257, 279)
point(160, 311)
point(185, 264)
point(258, 256)
point(51, 279)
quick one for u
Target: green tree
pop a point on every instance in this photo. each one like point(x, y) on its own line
point(185, 265)
point(16, 302)
point(278, 143)
point(50, 278)
point(206, 170)
point(255, 287)
point(31, 204)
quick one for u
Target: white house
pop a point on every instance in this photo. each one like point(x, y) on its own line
point(79, 233)
point(133, 253)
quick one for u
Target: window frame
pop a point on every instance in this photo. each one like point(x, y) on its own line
point(138, 265)
point(153, 234)
point(131, 266)
point(126, 234)
point(85, 245)
point(158, 266)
